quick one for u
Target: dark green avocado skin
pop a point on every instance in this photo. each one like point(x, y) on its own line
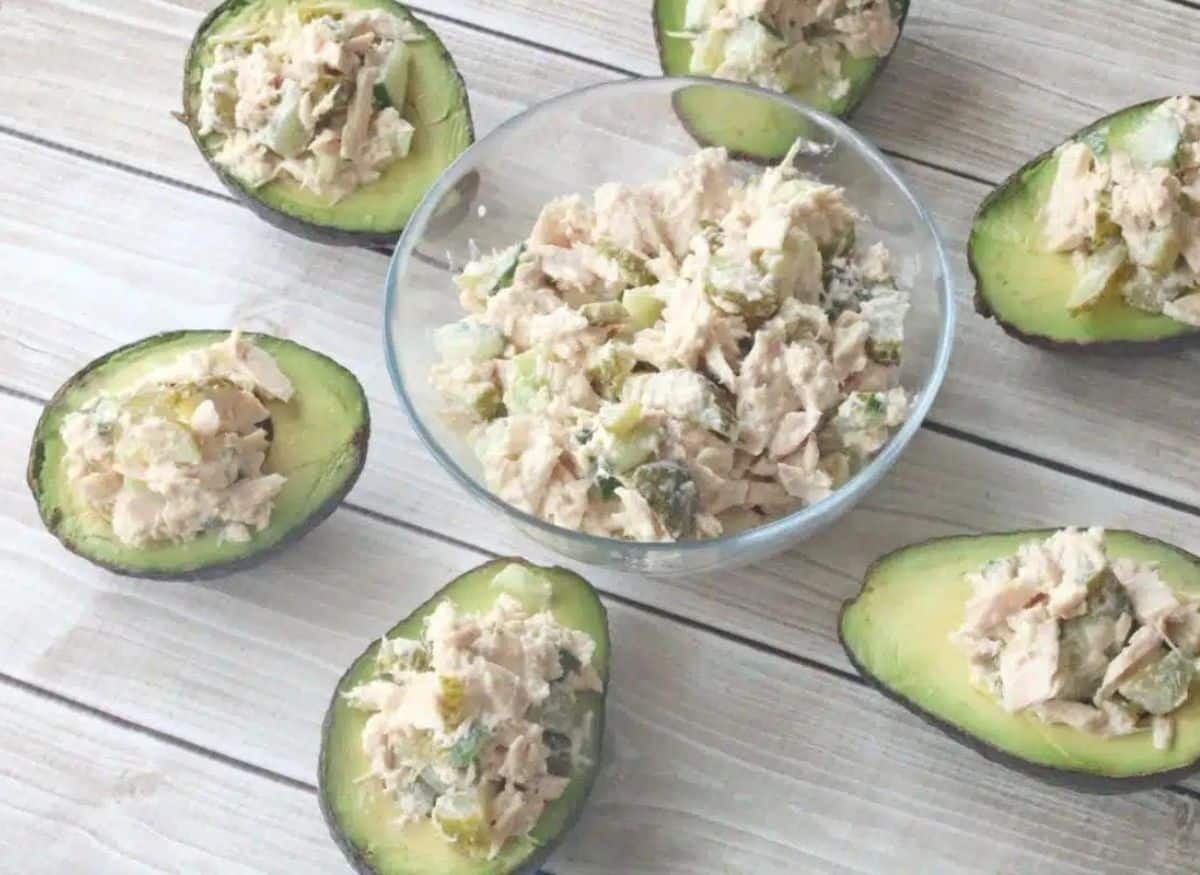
point(1079, 782)
point(355, 857)
point(53, 521)
point(291, 224)
point(984, 309)
point(899, 7)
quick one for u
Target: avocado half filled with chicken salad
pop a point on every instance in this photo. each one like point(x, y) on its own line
point(679, 359)
point(197, 453)
point(824, 53)
point(1096, 245)
point(1067, 655)
point(467, 739)
point(329, 118)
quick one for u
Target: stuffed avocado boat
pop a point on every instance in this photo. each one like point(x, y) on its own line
point(328, 118)
point(824, 54)
point(1096, 244)
point(1069, 656)
point(466, 740)
point(197, 453)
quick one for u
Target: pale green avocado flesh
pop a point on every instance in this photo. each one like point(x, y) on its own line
point(897, 632)
point(748, 125)
point(1027, 288)
point(319, 442)
point(436, 104)
point(362, 818)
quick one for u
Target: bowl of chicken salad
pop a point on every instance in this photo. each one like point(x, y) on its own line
point(650, 352)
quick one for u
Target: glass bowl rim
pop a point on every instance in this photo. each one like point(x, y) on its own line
point(830, 506)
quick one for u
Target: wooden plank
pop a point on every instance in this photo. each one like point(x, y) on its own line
point(81, 793)
point(720, 758)
point(99, 258)
point(996, 386)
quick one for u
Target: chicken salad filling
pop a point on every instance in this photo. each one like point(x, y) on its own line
point(181, 452)
point(474, 727)
point(1130, 215)
point(679, 359)
point(316, 98)
point(787, 44)
point(1065, 633)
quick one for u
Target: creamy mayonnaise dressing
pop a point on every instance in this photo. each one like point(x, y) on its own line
point(1072, 637)
point(473, 726)
point(182, 451)
point(678, 359)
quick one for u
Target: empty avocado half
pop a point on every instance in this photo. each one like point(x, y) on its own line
point(897, 630)
point(1029, 290)
point(752, 127)
point(431, 97)
point(318, 441)
point(362, 818)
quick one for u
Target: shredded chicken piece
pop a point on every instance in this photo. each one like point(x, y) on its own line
point(182, 451)
point(474, 726)
point(1128, 216)
point(785, 45)
point(1074, 638)
point(307, 100)
point(671, 357)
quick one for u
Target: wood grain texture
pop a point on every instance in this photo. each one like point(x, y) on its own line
point(87, 278)
point(80, 793)
point(720, 758)
point(1119, 418)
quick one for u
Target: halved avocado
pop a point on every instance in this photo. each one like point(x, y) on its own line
point(436, 105)
point(896, 632)
point(1026, 289)
point(360, 817)
point(318, 441)
point(752, 127)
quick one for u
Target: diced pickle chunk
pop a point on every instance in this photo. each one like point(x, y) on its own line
point(634, 272)
point(671, 493)
point(451, 700)
point(604, 312)
point(1162, 685)
point(462, 817)
point(643, 306)
point(608, 367)
point(528, 587)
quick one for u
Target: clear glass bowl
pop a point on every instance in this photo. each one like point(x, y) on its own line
point(630, 132)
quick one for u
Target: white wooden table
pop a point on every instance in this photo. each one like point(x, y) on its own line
point(173, 727)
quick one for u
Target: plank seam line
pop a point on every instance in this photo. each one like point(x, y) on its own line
point(156, 734)
point(114, 164)
point(23, 396)
point(524, 41)
point(1061, 467)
